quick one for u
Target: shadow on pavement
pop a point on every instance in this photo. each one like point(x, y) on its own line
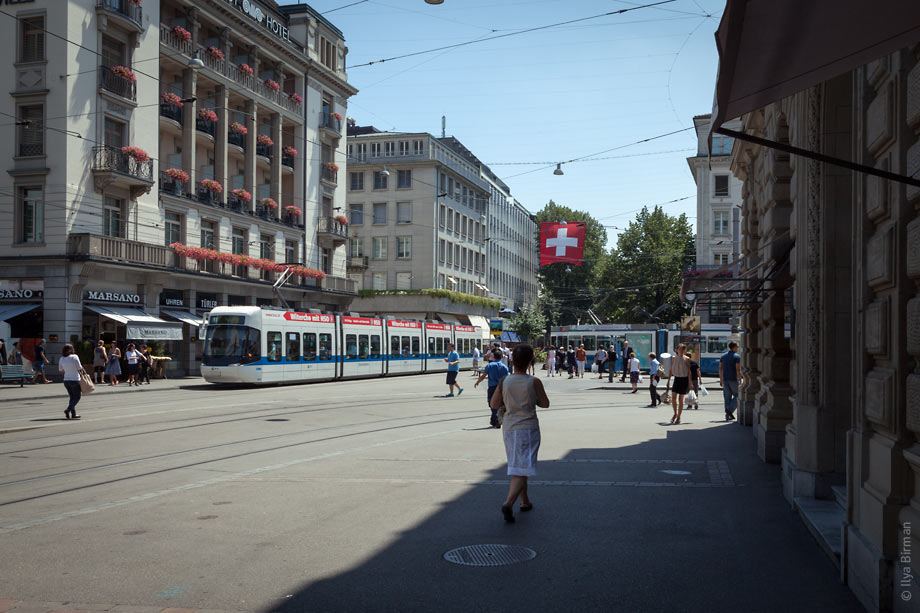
point(713, 539)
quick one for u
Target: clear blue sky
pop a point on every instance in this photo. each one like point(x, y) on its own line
point(544, 96)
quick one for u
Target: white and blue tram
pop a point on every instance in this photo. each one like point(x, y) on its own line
point(269, 345)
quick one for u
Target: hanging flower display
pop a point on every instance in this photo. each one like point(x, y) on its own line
point(342, 219)
point(124, 72)
point(297, 98)
point(238, 128)
point(201, 254)
point(272, 85)
point(207, 115)
point(293, 210)
point(335, 115)
point(176, 173)
point(212, 186)
point(290, 151)
point(246, 69)
point(242, 195)
point(214, 52)
point(171, 98)
point(137, 153)
point(269, 203)
point(263, 139)
point(182, 34)
point(332, 166)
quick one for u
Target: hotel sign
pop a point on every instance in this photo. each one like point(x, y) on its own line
point(255, 12)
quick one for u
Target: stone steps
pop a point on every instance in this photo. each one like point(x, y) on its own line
point(825, 520)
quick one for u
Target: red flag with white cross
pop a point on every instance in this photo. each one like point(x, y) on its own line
point(562, 242)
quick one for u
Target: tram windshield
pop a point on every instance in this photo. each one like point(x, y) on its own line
point(227, 345)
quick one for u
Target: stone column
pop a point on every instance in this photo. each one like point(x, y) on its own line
point(222, 100)
point(249, 168)
point(276, 158)
point(189, 117)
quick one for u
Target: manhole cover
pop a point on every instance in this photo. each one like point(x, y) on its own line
point(489, 555)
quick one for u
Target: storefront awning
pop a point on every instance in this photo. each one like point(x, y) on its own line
point(141, 326)
point(9, 311)
point(183, 316)
point(447, 317)
point(482, 322)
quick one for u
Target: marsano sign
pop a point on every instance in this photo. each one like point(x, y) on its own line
point(255, 12)
point(113, 297)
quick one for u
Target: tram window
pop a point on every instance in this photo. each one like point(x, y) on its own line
point(439, 346)
point(466, 347)
point(394, 346)
point(273, 342)
point(431, 352)
point(363, 347)
point(589, 342)
point(351, 347)
point(375, 346)
point(309, 347)
point(406, 343)
point(446, 347)
point(718, 344)
point(554, 341)
point(292, 348)
point(325, 347)
point(416, 345)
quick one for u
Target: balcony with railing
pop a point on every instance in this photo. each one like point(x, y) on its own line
point(330, 175)
point(264, 150)
point(127, 12)
point(171, 185)
point(357, 262)
point(287, 160)
point(331, 229)
point(338, 284)
point(117, 84)
point(171, 111)
point(235, 138)
point(330, 123)
point(111, 165)
point(205, 126)
point(119, 250)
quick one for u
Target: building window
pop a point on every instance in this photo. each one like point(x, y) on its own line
point(173, 228)
point(356, 214)
point(326, 53)
point(380, 280)
point(442, 215)
point(441, 281)
point(403, 178)
point(31, 130)
point(375, 150)
point(721, 185)
point(450, 220)
point(418, 147)
point(290, 252)
point(457, 224)
point(111, 217)
point(266, 247)
point(356, 184)
point(114, 133)
point(720, 223)
point(208, 241)
point(113, 52)
point(380, 247)
point(356, 247)
point(720, 259)
point(403, 247)
point(380, 180)
point(380, 212)
point(32, 39)
point(722, 145)
point(403, 212)
point(403, 147)
point(389, 149)
point(404, 280)
point(442, 250)
point(238, 247)
point(32, 214)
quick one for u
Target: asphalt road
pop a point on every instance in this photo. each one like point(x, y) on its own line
point(346, 496)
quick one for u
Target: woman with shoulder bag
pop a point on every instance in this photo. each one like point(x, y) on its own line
point(70, 365)
point(680, 370)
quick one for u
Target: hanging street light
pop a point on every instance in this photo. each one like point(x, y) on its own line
point(558, 172)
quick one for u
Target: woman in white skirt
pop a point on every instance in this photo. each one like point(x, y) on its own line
point(520, 394)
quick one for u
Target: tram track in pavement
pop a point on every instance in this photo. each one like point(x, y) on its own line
point(473, 414)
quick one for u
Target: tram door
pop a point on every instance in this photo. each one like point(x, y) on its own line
point(437, 336)
point(363, 341)
point(404, 346)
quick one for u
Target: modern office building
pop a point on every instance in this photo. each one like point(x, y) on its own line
point(166, 158)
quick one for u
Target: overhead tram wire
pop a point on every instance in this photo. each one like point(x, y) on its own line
point(516, 33)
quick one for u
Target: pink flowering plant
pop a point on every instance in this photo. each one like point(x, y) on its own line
point(335, 115)
point(212, 186)
point(297, 98)
point(264, 139)
point(171, 98)
point(238, 128)
point(176, 173)
point(137, 153)
point(124, 72)
point(332, 166)
point(269, 203)
point(207, 115)
point(293, 210)
point(182, 34)
point(214, 52)
point(290, 151)
point(272, 85)
point(342, 219)
point(241, 195)
point(246, 69)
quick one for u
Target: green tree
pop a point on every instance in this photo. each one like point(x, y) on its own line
point(529, 323)
point(570, 290)
point(644, 272)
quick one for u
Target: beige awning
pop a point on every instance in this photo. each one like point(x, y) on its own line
point(771, 49)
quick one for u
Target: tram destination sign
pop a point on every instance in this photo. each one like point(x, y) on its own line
point(255, 12)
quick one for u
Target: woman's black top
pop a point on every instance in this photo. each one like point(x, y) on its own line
point(694, 370)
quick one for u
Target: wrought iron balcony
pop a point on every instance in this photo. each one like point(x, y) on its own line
point(169, 185)
point(263, 150)
point(235, 138)
point(328, 122)
point(111, 166)
point(203, 125)
point(329, 227)
point(171, 111)
point(206, 196)
point(332, 176)
point(287, 160)
point(124, 8)
point(116, 84)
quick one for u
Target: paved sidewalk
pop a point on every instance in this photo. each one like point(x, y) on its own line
point(12, 393)
point(23, 606)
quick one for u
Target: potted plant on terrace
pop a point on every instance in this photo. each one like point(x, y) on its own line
point(272, 85)
point(341, 219)
point(214, 53)
point(293, 211)
point(136, 153)
point(209, 189)
point(207, 115)
point(270, 204)
point(124, 72)
point(241, 194)
point(176, 176)
point(172, 99)
point(246, 69)
point(290, 151)
point(238, 128)
point(336, 116)
point(182, 34)
point(264, 139)
point(297, 98)
point(332, 166)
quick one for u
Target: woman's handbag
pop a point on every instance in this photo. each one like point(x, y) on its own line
point(86, 384)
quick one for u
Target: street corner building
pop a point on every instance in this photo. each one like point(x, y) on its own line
point(828, 154)
point(166, 157)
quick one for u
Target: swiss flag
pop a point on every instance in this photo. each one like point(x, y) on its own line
point(562, 242)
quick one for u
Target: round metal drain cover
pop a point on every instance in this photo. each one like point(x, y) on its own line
point(489, 555)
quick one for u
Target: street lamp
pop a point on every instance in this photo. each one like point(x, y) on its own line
point(195, 63)
point(558, 172)
point(434, 1)
point(384, 172)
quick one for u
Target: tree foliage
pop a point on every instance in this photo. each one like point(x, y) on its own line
point(649, 258)
point(569, 290)
point(529, 323)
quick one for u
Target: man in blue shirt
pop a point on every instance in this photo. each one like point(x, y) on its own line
point(495, 371)
point(453, 367)
point(730, 378)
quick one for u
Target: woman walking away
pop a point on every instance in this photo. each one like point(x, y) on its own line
point(133, 357)
point(520, 395)
point(113, 367)
point(551, 361)
point(680, 370)
point(633, 365)
point(695, 380)
point(146, 365)
point(653, 379)
point(70, 365)
point(99, 360)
